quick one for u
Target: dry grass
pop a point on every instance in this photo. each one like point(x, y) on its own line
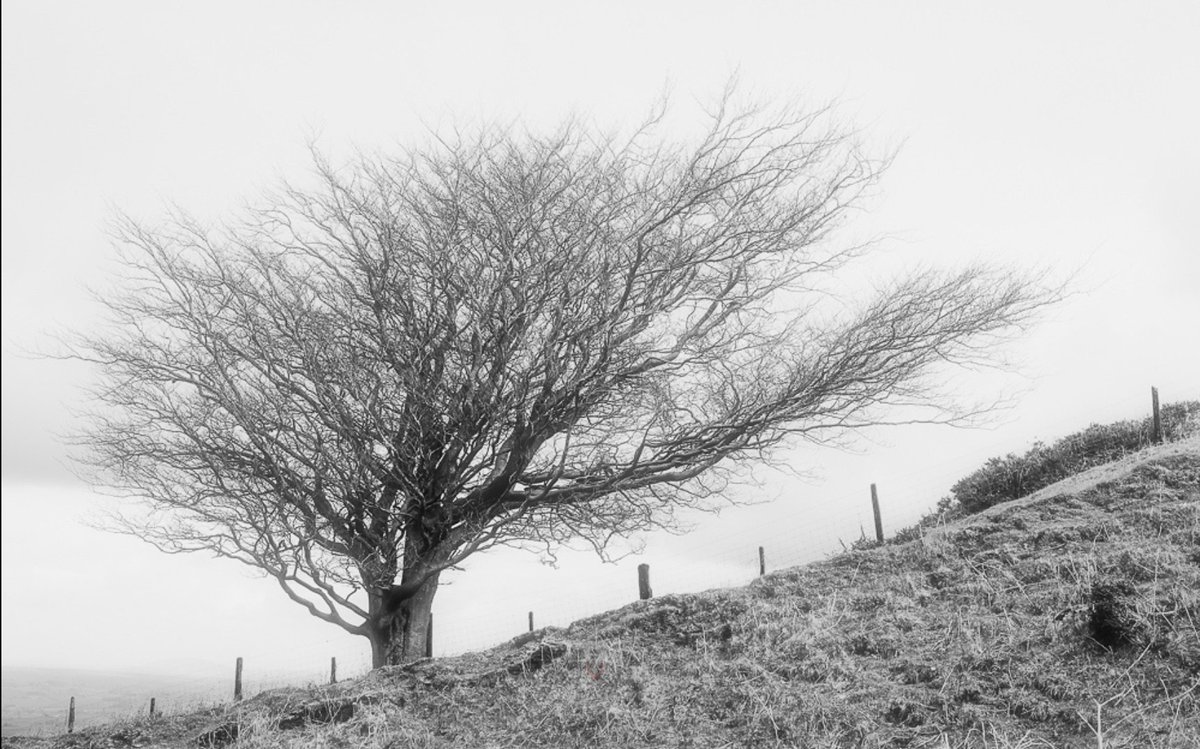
point(1070, 620)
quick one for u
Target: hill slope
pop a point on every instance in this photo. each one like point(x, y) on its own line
point(1068, 618)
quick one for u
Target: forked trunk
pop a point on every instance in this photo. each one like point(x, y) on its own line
point(403, 636)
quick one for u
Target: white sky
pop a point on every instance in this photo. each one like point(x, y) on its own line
point(1060, 134)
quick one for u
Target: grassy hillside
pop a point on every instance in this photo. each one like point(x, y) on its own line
point(1069, 618)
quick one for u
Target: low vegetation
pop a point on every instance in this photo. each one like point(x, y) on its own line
point(1067, 619)
point(1014, 476)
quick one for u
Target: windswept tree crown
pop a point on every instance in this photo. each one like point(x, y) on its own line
point(503, 337)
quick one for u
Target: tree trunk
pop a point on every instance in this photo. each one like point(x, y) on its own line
point(400, 638)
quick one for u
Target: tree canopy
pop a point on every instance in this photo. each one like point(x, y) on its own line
point(500, 337)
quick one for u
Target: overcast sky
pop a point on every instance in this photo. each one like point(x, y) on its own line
point(1036, 134)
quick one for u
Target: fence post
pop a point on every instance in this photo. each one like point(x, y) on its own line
point(762, 562)
point(878, 518)
point(71, 717)
point(237, 681)
point(1156, 435)
point(429, 637)
point(333, 670)
point(644, 591)
point(530, 621)
point(151, 707)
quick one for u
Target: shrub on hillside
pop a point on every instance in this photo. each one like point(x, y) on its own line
point(1013, 476)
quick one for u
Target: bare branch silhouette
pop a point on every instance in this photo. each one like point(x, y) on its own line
point(505, 337)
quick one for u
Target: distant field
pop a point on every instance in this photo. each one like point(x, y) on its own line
point(35, 700)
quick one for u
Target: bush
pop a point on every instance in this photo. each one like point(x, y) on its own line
point(1013, 476)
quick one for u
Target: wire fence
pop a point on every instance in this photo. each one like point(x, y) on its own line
point(719, 554)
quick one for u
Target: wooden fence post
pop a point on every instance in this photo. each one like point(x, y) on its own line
point(530, 621)
point(429, 637)
point(333, 670)
point(762, 562)
point(1156, 437)
point(878, 518)
point(151, 707)
point(237, 681)
point(71, 717)
point(644, 591)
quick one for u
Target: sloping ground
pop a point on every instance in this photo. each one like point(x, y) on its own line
point(1070, 618)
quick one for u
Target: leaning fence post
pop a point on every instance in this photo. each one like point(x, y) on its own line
point(878, 518)
point(237, 681)
point(151, 707)
point(333, 670)
point(644, 591)
point(1156, 436)
point(429, 637)
point(530, 621)
point(71, 717)
point(762, 562)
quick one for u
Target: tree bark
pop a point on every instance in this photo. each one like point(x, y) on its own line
point(400, 637)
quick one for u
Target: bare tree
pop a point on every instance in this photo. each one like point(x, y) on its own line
point(503, 338)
